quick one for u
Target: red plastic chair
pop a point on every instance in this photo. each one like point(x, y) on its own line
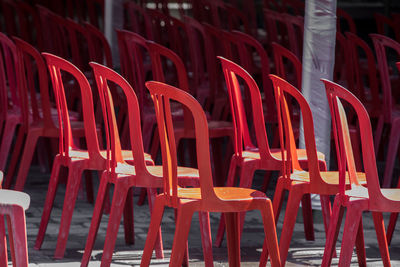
point(388, 26)
point(217, 128)
point(344, 19)
point(294, 179)
point(12, 207)
point(38, 117)
point(352, 196)
point(393, 216)
point(390, 111)
point(125, 177)
point(206, 198)
point(70, 156)
point(363, 75)
point(295, 31)
point(95, 10)
point(10, 101)
point(137, 20)
point(290, 72)
point(247, 156)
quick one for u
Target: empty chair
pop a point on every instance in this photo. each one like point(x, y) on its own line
point(70, 155)
point(294, 178)
point(124, 177)
point(12, 206)
point(353, 197)
point(251, 155)
point(206, 198)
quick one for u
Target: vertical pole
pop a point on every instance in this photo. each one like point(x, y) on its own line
point(114, 19)
point(318, 62)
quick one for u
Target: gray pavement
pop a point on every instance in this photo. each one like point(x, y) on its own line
point(301, 253)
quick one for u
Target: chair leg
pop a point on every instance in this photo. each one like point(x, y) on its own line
point(6, 140)
point(74, 181)
point(380, 234)
point(270, 240)
point(185, 214)
point(233, 237)
point(378, 134)
point(155, 223)
point(18, 229)
point(48, 204)
point(307, 217)
point(15, 159)
point(26, 160)
point(391, 156)
point(326, 214)
point(296, 193)
point(128, 218)
point(333, 232)
point(3, 243)
point(96, 218)
point(353, 215)
point(391, 226)
point(118, 203)
point(230, 182)
point(278, 198)
point(360, 245)
point(151, 196)
point(206, 241)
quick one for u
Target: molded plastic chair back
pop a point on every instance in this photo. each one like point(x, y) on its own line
point(56, 65)
point(139, 20)
point(159, 55)
point(387, 26)
point(295, 30)
point(335, 94)
point(275, 26)
point(162, 94)
point(95, 9)
point(8, 9)
point(250, 52)
point(344, 19)
point(242, 132)
point(99, 48)
point(381, 44)
point(356, 83)
point(33, 69)
point(291, 72)
point(283, 90)
point(132, 48)
point(201, 58)
point(103, 75)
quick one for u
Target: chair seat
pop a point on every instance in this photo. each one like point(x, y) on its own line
point(11, 197)
point(224, 193)
point(276, 153)
point(157, 171)
point(329, 177)
point(126, 154)
point(362, 192)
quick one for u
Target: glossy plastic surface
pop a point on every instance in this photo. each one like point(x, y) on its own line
point(356, 198)
point(206, 198)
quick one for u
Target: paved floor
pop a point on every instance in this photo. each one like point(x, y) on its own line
point(301, 253)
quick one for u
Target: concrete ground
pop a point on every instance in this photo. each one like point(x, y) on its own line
point(301, 253)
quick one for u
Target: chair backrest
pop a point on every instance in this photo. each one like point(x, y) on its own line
point(95, 10)
point(241, 123)
point(359, 81)
point(33, 78)
point(160, 59)
point(381, 45)
point(295, 31)
point(55, 65)
point(103, 76)
point(137, 20)
point(287, 65)
point(275, 26)
point(254, 59)
point(387, 26)
point(201, 58)
point(344, 19)
point(285, 93)
point(99, 48)
point(162, 94)
point(9, 82)
point(133, 50)
point(336, 94)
